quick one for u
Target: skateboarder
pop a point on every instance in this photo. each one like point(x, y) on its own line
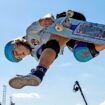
point(45, 47)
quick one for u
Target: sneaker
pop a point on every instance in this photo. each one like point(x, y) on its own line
point(20, 81)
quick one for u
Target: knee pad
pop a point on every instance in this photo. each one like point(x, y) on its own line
point(53, 44)
point(84, 52)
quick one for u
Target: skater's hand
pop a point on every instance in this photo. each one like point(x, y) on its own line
point(45, 22)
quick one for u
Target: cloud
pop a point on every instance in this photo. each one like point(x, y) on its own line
point(67, 64)
point(87, 75)
point(103, 103)
point(26, 95)
point(78, 104)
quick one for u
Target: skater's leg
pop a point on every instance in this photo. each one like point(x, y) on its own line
point(47, 57)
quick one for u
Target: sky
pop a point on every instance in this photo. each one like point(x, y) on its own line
point(57, 85)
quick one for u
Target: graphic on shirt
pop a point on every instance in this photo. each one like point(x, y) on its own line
point(34, 42)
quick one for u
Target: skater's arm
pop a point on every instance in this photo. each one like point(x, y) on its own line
point(34, 28)
point(39, 25)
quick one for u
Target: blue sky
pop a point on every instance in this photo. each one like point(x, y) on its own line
point(57, 86)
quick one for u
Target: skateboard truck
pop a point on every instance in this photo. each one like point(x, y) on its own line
point(65, 23)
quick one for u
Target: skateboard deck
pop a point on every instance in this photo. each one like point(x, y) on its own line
point(78, 30)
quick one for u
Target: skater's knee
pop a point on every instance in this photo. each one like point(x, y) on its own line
point(54, 45)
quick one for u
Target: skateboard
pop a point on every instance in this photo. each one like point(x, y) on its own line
point(78, 30)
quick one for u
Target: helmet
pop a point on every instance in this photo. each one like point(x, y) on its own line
point(9, 52)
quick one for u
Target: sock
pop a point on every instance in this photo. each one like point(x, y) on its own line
point(39, 71)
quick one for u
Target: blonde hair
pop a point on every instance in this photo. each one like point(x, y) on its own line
point(21, 41)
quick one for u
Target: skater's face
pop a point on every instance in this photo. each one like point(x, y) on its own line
point(20, 51)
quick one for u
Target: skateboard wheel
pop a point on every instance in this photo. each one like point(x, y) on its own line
point(69, 13)
point(59, 27)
